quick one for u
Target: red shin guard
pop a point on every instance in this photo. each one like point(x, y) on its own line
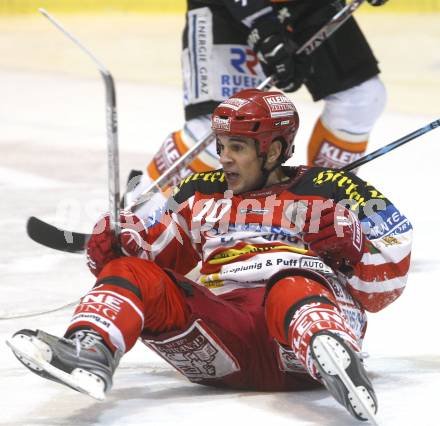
point(298, 307)
point(131, 295)
point(308, 320)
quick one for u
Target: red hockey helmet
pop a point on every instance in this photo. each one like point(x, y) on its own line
point(262, 116)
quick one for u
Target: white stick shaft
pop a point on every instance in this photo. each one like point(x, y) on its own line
point(308, 47)
point(57, 24)
point(112, 127)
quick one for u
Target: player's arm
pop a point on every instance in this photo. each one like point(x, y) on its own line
point(270, 41)
point(368, 239)
point(169, 242)
point(163, 237)
point(381, 275)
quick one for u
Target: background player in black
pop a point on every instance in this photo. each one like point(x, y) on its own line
point(231, 45)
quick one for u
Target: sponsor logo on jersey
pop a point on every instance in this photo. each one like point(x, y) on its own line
point(229, 239)
point(234, 68)
point(357, 231)
point(256, 227)
point(247, 266)
point(231, 84)
point(279, 105)
point(390, 241)
point(314, 263)
point(97, 319)
point(351, 189)
point(280, 237)
point(254, 211)
point(200, 40)
point(105, 304)
point(215, 176)
point(212, 280)
point(282, 261)
point(244, 60)
point(231, 254)
point(214, 284)
point(388, 222)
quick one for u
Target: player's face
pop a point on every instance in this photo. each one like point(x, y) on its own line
point(241, 164)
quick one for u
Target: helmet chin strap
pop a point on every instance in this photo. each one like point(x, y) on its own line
point(265, 173)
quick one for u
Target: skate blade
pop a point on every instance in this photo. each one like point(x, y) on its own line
point(31, 356)
point(334, 362)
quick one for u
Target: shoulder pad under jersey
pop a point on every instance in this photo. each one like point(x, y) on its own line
point(205, 182)
point(338, 186)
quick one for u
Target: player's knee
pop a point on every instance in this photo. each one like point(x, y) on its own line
point(354, 111)
point(138, 272)
point(286, 295)
point(156, 293)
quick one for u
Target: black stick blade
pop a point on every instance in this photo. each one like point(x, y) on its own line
point(55, 238)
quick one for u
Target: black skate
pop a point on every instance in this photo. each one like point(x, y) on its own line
point(83, 363)
point(344, 376)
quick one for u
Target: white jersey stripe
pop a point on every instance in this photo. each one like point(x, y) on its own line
point(378, 286)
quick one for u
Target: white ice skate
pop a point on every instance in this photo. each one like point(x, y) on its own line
point(84, 363)
point(344, 376)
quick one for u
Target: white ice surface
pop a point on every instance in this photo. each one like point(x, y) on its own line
point(53, 166)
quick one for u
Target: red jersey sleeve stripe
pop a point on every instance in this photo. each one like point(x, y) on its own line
point(383, 272)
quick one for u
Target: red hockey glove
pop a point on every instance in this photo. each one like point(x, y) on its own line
point(133, 238)
point(99, 247)
point(336, 236)
point(132, 241)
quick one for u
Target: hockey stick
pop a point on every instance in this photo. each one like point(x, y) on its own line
point(321, 35)
point(73, 242)
point(112, 144)
point(393, 145)
point(50, 236)
point(308, 47)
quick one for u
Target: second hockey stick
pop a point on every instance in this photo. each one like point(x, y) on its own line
point(50, 236)
point(112, 138)
point(307, 48)
point(59, 239)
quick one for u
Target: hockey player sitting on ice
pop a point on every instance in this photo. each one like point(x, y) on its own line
point(233, 45)
point(292, 257)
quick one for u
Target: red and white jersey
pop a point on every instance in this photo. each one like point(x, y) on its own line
point(242, 240)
